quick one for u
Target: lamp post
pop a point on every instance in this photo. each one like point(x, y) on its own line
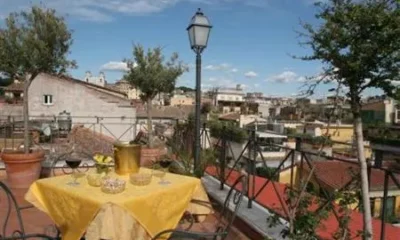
point(199, 31)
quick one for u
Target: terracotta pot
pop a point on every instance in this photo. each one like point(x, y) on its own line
point(22, 169)
point(150, 155)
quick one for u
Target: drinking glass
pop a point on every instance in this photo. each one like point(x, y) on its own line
point(164, 164)
point(74, 164)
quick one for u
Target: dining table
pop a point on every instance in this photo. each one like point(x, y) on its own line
point(139, 212)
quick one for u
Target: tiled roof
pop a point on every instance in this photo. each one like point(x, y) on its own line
point(337, 174)
point(95, 86)
point(270, 199)
point(230, 116)
point(91, 142)
point(170, 112)
point(15, 87)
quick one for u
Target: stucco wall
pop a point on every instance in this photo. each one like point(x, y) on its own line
point(85, 104)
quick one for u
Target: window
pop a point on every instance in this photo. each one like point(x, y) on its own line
point(398, 114)
point(48, 99)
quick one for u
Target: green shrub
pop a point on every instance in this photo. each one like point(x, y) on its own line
point(231, 131)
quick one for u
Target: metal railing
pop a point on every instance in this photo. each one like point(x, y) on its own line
point(295, 157)
point(116, 128)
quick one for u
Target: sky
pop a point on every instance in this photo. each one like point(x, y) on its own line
point(251, 43)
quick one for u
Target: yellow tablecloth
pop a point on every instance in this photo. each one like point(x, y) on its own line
point(155, 207)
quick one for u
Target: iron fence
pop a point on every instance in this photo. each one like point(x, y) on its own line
point(51, 128)
point(251, 153)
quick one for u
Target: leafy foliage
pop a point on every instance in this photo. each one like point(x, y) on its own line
point(357, 41)
point(206, 108)
point(267, 172)
point(34, 42)
point(229, 130)
point(383, 134)
point(182, 155)
point(318, 140)
point(185, 89)
point(290, 131)
point(306, 211)
point(152, 74)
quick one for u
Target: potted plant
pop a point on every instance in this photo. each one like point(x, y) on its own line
point(31, 42)
point(152, 75)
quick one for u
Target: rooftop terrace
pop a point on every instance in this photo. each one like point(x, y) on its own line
point(265, 197)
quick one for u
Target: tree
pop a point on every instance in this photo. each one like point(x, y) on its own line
point(34, 42)
point(185, 89)
point(153, 75)
point(358, 42)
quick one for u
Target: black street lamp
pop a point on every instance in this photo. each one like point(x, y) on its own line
point(199, 31)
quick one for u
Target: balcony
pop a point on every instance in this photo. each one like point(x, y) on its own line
point(266, 195)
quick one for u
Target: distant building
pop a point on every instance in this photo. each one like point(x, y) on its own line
point(181, 100)
point(125, 87)
point(14, 92)
point(337, 132)
point(99, 80)
point(229, 99)
point(381, 110)
point(49, 95)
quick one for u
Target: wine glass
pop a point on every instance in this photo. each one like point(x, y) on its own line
point(74, 163)
point(164, 164)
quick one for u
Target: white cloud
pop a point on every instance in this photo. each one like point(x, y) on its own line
point(223, 67)
point(285, 77)
point(115, 66)
point(220, 67)
point(102, 10)
point(251, 74)
point(222, 82)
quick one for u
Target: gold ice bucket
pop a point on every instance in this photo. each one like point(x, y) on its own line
point(126, 157)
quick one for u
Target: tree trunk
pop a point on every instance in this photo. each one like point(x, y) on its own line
point(27, 81)
point(149, 124)
point(363, 171)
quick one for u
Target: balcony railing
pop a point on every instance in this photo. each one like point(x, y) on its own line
point(245, 157)
point(295, 161)
point(51, 128)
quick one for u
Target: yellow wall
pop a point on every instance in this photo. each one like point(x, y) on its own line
point(284, 176)
point(344, 134)
point(176, 101)
point(378, 207)
point(340, 133)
